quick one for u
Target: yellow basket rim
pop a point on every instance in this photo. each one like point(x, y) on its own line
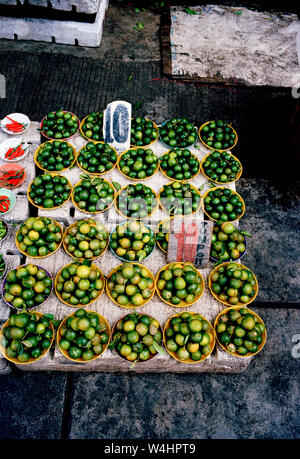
point(78, 306)
point(221, 183)
point(51, 141)
point(189, 361)
point(210, 148)
point(38, 256)
point(182, 304)
point(81, 259)
point(249, 354)
point(31, 359)
point(240, 265)
point(134, 218)
point(98, 211)
point(136, 179)
point(234, 192)
point(129, 306)
point(59, 338)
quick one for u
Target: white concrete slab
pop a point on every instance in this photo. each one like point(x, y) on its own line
point(222, 43)
point(67, 32)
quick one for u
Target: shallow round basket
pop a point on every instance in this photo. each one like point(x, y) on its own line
point(80, 360)
point(239, 266)
point(38, 256)
point(190, 361)
point(96, 173)
point(114, 330)
point(135, 218)
point(234, 192)
point(216, 149)
point(215, 181)
point(51, 141)
point(174, 179)
point(18, 117)
point(70, 254)
point(78, 306)
point(97, 211)
point(180, 215)
point(33, 307)
point(14, 143)
point(182, 304)
point(5, 268)
point(129, 306)
point(152, 142)
point(12, 198)
point(64, 138)
point(127, 176)
point(31, 359)
point(50, 208)
point(125, 259)
point(174, 148)
point(236, 354)
point(83, 134)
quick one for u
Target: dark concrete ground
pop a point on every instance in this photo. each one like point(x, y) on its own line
point(263, 401)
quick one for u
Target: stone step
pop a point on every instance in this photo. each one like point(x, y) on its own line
point(65, 32)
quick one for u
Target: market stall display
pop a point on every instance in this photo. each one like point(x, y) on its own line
point(134, 283)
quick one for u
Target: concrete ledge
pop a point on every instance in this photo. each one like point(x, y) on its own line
point(67, 32)
point(82, 6)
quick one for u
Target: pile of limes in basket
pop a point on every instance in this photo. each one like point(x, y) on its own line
point(138, 163)
point(27, 286)
point(228, 242)
point(132, 241)
point(79, 284)
point(92, 126)
point(49, 191)
point(179, 164)
point(26, 336)
point(233, 284)
point(240, 331)
point(93, 194)
point(86, 239)
point(136, 201)
point(221, 167)
point(179, 198)
point(130, 285)
point(39, 236)
point(189, 337)
point(55, 156)
point(59, 125)
point(83, 335)
point(137, 337)
point(97, 158)
point(223, 204)
point(143, 132)
point(218, 135)
point(179, 284)
point(178, 132)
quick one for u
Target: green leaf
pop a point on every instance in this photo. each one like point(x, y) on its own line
point(116, 185)
point(137, 105)
point(113, 344)
point(158, 348)
point(245, 233)
point(139, 26)
point(133, 364)
point(186, 339)
point(49, 316)
point(130, 78)
point(189, 11)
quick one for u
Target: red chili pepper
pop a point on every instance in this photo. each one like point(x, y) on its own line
point(4, 204)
